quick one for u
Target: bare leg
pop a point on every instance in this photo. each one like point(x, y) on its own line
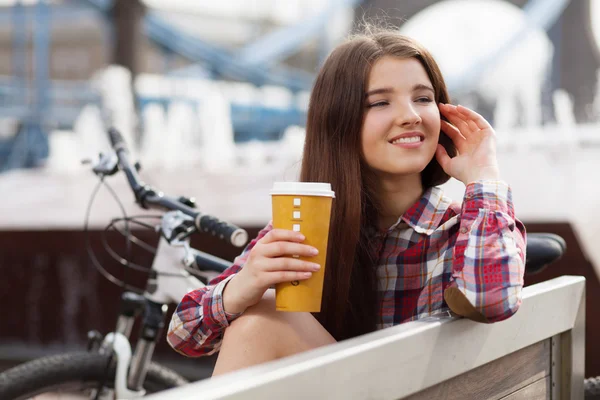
point(262, 334)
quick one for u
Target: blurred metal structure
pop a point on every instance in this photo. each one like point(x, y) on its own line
point(257, 62)
point(126, 17)
point(29, 144)
point(40, 104)
point(542, 14)
point(29, 96)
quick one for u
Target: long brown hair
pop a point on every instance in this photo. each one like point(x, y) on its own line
point(332, 153)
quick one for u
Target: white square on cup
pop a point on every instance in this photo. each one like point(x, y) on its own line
point(297, 202)
point(296, 228)
point(296, 214)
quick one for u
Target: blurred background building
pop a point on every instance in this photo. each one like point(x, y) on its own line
point(212, 98)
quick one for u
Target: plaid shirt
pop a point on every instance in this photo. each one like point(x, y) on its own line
point(438, 257)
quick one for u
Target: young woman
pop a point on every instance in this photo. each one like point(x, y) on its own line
point(381, 130)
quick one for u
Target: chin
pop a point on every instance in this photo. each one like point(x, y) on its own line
point(407, 171)
point(410, 169)
point(406, 167)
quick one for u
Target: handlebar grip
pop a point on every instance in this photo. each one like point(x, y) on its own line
point(223, 230)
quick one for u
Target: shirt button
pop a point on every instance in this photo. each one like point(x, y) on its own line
point(463, 230)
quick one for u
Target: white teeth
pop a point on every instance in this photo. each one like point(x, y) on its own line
point(413, 139)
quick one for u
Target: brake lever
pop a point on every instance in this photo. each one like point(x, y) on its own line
point(107, 164)
point(176, 225)
point(188, 201)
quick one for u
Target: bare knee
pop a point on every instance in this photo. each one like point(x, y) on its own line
point(256, 318)
point(259, 322)
point(287, 332)
point(263, 334)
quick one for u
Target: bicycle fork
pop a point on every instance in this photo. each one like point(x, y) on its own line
point(132, 368)
point(152, 326)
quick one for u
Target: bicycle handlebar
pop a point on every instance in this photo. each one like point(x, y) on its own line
point(147, 198)
point(208, 262)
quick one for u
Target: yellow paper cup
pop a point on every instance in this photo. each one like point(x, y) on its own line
point(303, 207)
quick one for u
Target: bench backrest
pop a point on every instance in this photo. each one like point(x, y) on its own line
point(537, 353)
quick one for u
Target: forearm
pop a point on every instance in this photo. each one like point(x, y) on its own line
point(198, 323)
point(188, 332)
point(489, 255)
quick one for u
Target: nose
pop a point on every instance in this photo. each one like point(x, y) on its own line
point(407, 115)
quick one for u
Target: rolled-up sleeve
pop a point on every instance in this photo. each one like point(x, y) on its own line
point(197, 325)
point(489, 255)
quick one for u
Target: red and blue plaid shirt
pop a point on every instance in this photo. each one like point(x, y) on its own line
point(474, 251)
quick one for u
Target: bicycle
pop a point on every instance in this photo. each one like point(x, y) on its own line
point(109, 369)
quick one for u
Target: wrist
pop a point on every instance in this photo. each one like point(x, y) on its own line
point(231, 303)
point(487, 174)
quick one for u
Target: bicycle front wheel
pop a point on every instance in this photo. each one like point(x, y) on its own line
point(74, 376)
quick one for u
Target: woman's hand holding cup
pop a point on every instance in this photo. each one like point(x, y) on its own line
point(270, 262)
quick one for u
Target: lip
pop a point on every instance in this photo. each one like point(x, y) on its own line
point(408, 145)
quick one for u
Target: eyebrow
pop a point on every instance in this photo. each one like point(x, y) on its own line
point(384, 90)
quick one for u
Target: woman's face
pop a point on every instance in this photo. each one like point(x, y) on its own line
point(401, 126)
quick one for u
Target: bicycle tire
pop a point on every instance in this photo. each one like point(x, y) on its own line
point(79, 371)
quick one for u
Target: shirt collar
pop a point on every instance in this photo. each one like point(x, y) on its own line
point(425, 215)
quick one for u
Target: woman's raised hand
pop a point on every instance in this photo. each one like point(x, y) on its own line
point(475, 141)
point(270, 261)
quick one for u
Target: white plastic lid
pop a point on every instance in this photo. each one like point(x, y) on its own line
point(302, 189)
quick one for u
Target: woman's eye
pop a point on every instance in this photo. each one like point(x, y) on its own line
point(378, 104)
point(424, 100)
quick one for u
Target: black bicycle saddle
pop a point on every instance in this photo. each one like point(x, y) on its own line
point(542, 250)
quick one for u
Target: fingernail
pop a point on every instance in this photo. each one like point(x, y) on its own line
point(301, 237)
point(315, 267)
point(314, 251)
point(307, 274)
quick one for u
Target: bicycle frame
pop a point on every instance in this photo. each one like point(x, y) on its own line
point(172, 281)
point(168, 283)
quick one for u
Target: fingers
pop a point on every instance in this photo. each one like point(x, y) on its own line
point(279, 249)
point(266, 279)
point(283, 242)
point(473, 120)
point(479, 121)
point(290, 264)
point(443, 158)
point(473, 126)
point(459, 122)
point(454, 134)
point(277, 235)
point(275, 259)
point(285, 269)
point(287, 276)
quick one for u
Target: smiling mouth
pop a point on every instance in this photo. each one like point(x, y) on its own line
point(408, 140)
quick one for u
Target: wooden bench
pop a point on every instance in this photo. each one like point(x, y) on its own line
point(539, 353)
